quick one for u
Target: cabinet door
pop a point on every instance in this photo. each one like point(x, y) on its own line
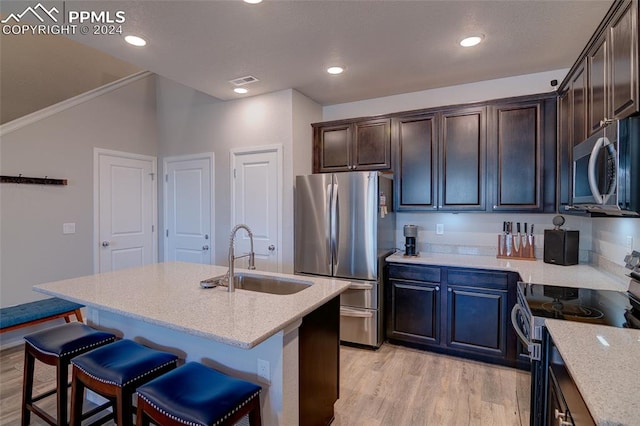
point(517, 157)
point(578, 90)
point(414, 312)
point(462, 160)
point(416, 162)
point(624, 61)
point(333, 148)
point(565, 150)
point(372, 145)
point(598, 103)
point(477, 320)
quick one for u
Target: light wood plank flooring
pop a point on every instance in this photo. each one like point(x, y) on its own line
point(393, 386)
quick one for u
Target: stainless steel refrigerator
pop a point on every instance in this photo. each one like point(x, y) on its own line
point(344, 228)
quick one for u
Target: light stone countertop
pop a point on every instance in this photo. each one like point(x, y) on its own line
point(531, 271)
point(169, 294)
point(606, 376)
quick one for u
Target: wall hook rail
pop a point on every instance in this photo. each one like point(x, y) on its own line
point(32, 180)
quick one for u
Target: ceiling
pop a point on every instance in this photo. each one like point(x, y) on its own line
point(387, 47)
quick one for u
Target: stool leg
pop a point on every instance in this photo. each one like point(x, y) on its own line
point(254, 414)
point(141, 416)
point(62, 380)
point(27, 387)
point(124, 407)
point(77, 398)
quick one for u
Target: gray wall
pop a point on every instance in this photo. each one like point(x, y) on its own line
point(191, 122)
point(33, 248)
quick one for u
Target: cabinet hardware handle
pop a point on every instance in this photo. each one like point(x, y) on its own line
point(437, 288)
point(605, 122)
point(435, 207)
point(449, 290)
point(272, 247)
point(105, 243)
point(205, 248)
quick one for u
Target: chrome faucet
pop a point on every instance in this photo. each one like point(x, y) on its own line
point(232, 257)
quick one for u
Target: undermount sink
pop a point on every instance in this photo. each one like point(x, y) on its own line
point(259, 283)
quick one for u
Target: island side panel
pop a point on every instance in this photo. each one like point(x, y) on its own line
point(279, 398)
point(319, 348)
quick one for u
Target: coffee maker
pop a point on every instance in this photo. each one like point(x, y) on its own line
point(410, 234)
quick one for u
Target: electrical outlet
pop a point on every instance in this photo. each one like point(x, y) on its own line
point(629, 243)
point(264, 373)
point(440, 229)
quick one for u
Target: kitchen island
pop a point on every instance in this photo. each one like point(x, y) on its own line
point(163, 306)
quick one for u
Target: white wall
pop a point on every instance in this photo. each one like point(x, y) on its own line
point(34, 250)
point(465, 93)
point(610, 239)
point(191, 122)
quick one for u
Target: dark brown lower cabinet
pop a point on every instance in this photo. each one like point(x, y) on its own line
point(477, 319)
point(415, 315)
point(458, 311)
point(319, 358)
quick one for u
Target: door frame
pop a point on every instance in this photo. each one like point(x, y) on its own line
point(210, 156)
point(97, 152)
point(278, 149)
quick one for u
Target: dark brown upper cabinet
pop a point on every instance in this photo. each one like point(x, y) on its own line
point(462, 159)
point(565, 151)
point(522, 142)
point(623, 60)
point(579, 107)
point(416, 141)
point(352, 146)
point(603, 83)
point(441, 160)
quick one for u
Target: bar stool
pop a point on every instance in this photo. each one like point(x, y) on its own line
point(115, 371)
point(56, 346)
point(197, 395)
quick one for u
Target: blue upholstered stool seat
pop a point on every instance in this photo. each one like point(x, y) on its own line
point(197, 395)
point(122, 362)
point(56, 346)
point(115, 371)
point(68, 339)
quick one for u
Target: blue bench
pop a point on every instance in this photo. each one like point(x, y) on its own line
point(26, 314)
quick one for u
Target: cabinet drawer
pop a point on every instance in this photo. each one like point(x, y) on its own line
point(415, 273)
point(474, 278)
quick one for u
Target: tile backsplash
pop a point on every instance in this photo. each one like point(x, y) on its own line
point(476, 233)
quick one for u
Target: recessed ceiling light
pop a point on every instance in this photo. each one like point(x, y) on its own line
point(240, 90)
point(335, 70)
point(253, 1)
point(135, 40)
point(471, 41)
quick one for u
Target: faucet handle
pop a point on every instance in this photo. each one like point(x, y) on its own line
point(252, 260)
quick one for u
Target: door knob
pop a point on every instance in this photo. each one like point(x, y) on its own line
point(271, 247)
point(205, 247)
point(105, 244)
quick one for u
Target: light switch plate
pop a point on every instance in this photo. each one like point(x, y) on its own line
point(440, 228)
point(264, 373)
point(68, 228)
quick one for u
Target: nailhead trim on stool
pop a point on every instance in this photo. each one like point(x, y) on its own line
point(56, 346)
point(114, 371)
point(196, 395)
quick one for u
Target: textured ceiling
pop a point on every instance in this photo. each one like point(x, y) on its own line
point(387, 47)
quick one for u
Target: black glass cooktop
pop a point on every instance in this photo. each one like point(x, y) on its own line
point(604, 307)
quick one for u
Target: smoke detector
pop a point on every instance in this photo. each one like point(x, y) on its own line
point(241, 81)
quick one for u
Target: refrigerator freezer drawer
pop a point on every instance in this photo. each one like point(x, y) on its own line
point(360, 326)
point(361, 294)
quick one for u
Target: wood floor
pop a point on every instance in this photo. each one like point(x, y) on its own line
point(393, 386)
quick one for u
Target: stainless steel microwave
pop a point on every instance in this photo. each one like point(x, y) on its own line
point(606, 170)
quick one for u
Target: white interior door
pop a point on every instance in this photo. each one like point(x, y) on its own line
point(188, 208)
point(126, 210)
point(256, 199)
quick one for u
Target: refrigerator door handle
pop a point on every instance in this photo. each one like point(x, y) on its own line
point(329, 225)
point(335, 225)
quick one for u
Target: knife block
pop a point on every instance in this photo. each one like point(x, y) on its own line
point(523, 247)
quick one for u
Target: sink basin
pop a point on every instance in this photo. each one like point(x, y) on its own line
point(259, 283)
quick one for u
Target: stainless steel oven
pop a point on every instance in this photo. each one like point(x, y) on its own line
point(536, 302)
